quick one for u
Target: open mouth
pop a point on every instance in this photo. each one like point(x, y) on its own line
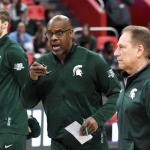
point(56, 47)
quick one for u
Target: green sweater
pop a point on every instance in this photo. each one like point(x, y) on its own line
point(134, 112)
point(73, 90)
point(13, 76)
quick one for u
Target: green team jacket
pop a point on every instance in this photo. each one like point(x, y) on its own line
point(73, 90)
point(13, 76)
point(134, 112)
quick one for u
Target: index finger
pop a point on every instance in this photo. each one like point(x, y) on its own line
point(36, 64)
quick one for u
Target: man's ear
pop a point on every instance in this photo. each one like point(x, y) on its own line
point(140, 51)
point(71, 33)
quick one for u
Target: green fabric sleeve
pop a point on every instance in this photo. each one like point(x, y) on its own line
point(18, 63)
point(108, 84)
point(30, 96)
point(145, 97)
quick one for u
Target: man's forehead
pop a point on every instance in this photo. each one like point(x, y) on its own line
point(56, 25)
point(126, 37)
point(59, 23)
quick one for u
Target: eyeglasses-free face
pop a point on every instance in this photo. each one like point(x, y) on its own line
point(58, 33)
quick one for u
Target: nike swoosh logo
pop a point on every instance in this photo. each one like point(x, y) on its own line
point(7, 146)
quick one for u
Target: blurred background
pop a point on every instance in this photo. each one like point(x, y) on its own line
point(97, 26)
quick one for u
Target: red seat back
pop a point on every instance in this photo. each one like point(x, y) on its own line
point(36, 12)
point(28, 2)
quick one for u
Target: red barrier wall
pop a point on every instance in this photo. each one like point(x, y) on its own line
point(87, 11)
point(140, 12)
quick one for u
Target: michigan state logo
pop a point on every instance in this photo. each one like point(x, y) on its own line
point(132, 93)
point(111, 74)
point(18, 66)
point(77, 71)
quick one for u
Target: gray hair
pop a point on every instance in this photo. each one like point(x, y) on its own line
point(139, 35)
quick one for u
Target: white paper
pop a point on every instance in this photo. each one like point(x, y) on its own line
point(74, 129)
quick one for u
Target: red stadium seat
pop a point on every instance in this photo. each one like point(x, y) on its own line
point(28, 2)
point(30, 57)
point(102, 39)
point(36, 12)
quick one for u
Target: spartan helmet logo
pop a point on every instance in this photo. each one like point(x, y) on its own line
point(77, 70)
point(111, 74)
point(132, 93)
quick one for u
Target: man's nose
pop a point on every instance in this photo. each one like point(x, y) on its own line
point(54, 37)
point(116, 52)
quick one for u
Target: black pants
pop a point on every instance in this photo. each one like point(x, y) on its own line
point(59, 145)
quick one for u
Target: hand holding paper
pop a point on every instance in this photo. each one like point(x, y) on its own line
point(74, 129)
point(89, 126)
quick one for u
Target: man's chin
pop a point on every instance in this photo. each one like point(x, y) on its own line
point(121, 67)
point(58, 52)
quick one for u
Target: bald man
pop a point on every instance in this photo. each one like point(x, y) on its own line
point(69, 81)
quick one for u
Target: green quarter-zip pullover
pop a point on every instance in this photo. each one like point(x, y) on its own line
point(73, 90)
point(134, 112)
point(13, 76)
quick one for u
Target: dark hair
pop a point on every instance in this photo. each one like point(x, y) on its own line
point(108, 47)
point(18, 7)
point(4, 16)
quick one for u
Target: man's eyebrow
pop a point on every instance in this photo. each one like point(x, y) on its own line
point(121, 45)
point(56, 30)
